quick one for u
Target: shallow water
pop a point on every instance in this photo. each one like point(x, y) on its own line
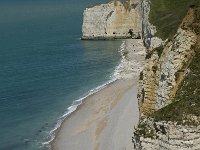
point(45, 67)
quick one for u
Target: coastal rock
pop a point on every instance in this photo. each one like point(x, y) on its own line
point(113, 20)
point(166, 135)
point(164, 69)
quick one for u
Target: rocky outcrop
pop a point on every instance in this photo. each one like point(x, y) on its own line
point(166, 136)
point(113, 20)
point(120, 20)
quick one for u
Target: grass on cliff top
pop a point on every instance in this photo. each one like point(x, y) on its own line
point(167, 15)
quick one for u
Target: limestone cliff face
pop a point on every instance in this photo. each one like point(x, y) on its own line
point(165, 68)
point(167, 136)
point(162, 74)
point(112, 20)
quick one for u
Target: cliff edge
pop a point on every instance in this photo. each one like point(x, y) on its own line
point(169, 88)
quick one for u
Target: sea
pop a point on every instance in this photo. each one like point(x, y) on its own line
point(46, 71)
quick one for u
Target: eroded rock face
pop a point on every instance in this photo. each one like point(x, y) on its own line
point(113, 20)
point(165, 68)
point(167, 136)
point(162, 74)
point(173, 65)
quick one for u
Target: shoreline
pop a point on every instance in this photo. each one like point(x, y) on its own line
point(91, 116)
point(127, 74)
point(76, 104)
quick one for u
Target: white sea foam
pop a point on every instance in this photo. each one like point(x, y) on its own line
point(119, 68)
point(76, 103)
point(71, 109)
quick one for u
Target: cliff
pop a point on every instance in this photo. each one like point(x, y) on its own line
point(168, 94)
point(164, 70)
point(112, 20)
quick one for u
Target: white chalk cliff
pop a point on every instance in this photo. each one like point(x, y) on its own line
point(112, 20)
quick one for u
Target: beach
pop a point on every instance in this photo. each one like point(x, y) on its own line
point(105, 120)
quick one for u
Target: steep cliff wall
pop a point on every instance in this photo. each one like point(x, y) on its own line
point(169, 92)
point(176, 126)
point(112, 20)
point(165, 68)
point(148, 30)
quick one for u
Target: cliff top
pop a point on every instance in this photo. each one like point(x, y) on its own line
point(167, 15)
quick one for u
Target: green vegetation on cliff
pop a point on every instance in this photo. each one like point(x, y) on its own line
point(167, 15)
point(187, 102)
point(185, 109)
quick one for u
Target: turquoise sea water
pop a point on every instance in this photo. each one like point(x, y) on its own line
point(44, 67)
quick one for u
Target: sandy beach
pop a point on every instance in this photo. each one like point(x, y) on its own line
point(106, 119)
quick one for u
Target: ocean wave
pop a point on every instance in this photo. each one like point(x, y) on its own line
point(115, 76)
point(120, 67)
point(71, 109)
